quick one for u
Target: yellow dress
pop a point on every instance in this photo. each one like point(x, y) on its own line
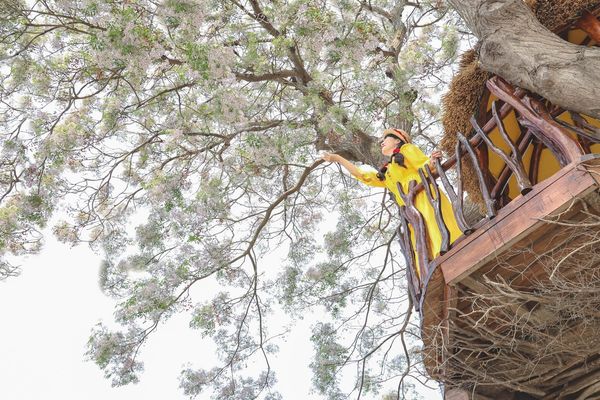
point(413, 160)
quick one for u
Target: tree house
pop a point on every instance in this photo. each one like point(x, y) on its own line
point(511, 310)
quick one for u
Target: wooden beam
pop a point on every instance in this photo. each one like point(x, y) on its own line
point(517, 220)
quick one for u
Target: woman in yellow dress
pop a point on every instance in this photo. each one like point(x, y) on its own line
point(405, 161)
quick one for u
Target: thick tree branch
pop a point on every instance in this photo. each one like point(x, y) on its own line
point(266, 77)
point(516, 46)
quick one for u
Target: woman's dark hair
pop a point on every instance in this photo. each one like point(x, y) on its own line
point(397, 157)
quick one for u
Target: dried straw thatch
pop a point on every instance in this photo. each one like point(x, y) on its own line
point(459, 104)
point(468, 86)
point(555, 14)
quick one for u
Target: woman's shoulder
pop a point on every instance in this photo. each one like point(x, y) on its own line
point(409, 148)
point(414, 156)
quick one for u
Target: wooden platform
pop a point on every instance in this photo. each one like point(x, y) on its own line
point(507, 249)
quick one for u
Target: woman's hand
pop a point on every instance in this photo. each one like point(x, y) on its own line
point(330, 157)
point(436, 155)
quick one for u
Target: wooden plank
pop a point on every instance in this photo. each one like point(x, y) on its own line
point(515, 223)
point(518, 265)
point(577, 367)
point(476, 254)
point(591, 162)
point(484, 225)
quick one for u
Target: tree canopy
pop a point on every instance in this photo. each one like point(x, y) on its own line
point(181, 140)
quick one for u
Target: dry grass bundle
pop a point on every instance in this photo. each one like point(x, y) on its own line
point(459, 104)
point(556, 14)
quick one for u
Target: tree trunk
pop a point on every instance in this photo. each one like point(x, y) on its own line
point(516, 46)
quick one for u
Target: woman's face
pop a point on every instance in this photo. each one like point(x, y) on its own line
point(388, 144)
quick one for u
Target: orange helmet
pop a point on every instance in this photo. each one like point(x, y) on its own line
point(399, 133)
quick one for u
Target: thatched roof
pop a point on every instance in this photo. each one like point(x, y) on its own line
point(468, 86)
point(556, 14)
point(459, 104)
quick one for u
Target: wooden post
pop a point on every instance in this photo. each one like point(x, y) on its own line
point(415, 218)
point(534, 164)
point(590, 24)
point(489, 203)
point(455, 199)
point(522, 142)
point(436, 203)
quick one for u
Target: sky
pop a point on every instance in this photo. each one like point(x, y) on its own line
point(46, 316)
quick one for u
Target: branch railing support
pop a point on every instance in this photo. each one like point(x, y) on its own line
point(539, 129)
point(415, 219)
point(436, 201)
point(456, 198)
point(414, 283)
point(489, 202)
point(535, 116)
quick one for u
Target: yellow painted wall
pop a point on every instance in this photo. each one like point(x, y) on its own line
point(548, 164)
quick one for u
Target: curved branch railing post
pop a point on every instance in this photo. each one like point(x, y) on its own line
point(456, 199)
point(436, 201)
point(489, 202)
point(414, 283)
point(415, 219)
point(524, 140)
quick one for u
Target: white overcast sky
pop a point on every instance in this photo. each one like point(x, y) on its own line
point(46, 315)
point(45, 319)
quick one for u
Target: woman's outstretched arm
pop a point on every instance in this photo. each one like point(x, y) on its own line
point(368, 177)
point(350, 167)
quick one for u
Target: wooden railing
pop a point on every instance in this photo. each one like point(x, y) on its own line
point(539, 128)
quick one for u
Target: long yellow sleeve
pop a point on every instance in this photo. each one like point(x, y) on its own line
point(368, 176)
